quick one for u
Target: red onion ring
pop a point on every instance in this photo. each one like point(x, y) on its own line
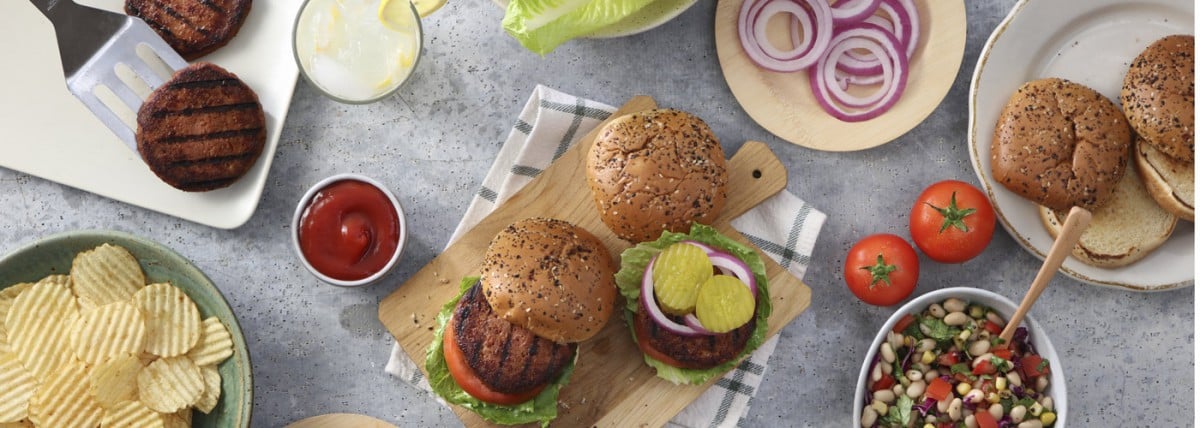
point(650, 305)
point(914, 30)
point(724, 261)
point(853, 11)
point(823, 75)
point(752, 22)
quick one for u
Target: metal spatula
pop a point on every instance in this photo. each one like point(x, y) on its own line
point(95, 47)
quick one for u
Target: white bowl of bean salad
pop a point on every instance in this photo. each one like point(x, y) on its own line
point(936, 363)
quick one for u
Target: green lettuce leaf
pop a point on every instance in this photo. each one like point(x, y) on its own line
point(542, 408)
point(542, 25)
point(629, 281)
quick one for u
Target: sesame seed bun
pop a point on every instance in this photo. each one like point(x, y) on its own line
point(1170, 181)
point(1159, 96)
point(551, 277)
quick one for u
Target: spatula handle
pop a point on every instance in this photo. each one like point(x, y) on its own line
point(1076, 222)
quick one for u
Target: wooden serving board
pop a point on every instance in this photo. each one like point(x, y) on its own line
point(611, 384)
point(783, 103)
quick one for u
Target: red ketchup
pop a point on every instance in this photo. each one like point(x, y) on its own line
point(349, 230)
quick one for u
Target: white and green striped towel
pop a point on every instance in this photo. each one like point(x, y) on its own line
point(784, 227)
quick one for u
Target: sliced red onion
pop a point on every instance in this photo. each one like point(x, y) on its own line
point(650, 305)
point(838, 90)
point(859, 36)
point(737, 267)
point(844, 79)
point(914, 21)
point(900, 24)
point(752, 24)
point(707, 249)
point(853, 11)
point(693, 322)
point(883, 23)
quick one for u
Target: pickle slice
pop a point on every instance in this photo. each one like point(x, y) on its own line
point(678, 273)
point(724, 303)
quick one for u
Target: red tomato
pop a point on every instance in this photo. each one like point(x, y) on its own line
point(993, 328)
point(985, 419)
point(984, 367)
point(952, 221)
point(948, 359)
point(466, 378)
point(884, 382)
point(881, 269)
point(938, 389)
point(904, 322)
point(1031, 366)
point(1003, 353)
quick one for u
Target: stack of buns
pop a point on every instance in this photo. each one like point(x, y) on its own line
point(1061, 144)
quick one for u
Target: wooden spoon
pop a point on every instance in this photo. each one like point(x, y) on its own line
point(1077, 220)
point(340, 420)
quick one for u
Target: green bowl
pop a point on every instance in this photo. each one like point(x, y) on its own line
point(53, 255)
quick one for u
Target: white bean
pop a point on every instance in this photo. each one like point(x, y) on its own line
point(895, 339)
point(879, 407)
point(974, 396)
point(1048, 403)
point(930, 418)
point(1032, 423)
point(969, 421)
point(887, 369)
point(869, 416)
point(888, 353)
point(926, 344)
point(885, 395)
point(925, 329)
point(954, 305)
point(930, 376)
point(1041, 383)
point(944, 405)
point(979, 347)
point(916, 389)
point(937, 310)
point(997, 411)
point(1017, 413)
point(956, 319)
point(995, 318)
point(955, 409)
point(1014, 379)
point(914, 375)
point(898, 390)
point(876, 373)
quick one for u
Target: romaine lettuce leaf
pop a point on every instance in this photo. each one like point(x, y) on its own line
point(542, 25)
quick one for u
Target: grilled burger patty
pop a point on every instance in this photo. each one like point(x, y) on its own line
point(508, 358)
point(201, 130)
point(698, 352)
point(193, 27)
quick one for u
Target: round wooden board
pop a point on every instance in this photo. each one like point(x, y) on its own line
point(783, 104)
point(340, 420)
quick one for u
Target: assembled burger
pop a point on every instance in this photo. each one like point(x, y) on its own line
point(506, 345)
point(696, 303)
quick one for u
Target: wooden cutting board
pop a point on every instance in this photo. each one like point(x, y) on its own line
point(611, 384)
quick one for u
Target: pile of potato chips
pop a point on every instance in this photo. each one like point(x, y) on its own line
point(100, 347)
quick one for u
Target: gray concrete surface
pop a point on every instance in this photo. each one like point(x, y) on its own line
point(319, 349)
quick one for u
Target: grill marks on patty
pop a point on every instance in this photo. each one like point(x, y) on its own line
point(201, 130)
point(508, 358)
point(698, 352)
point(193, 28)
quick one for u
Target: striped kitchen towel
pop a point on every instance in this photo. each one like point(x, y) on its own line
point(784, 227)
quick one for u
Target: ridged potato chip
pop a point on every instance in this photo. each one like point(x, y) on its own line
point(172, 320)
point(170, 384)
point(215, 344)
point(63, 399)
point(38, 325)
point(7, 297)
point(180, 419)
point(115, 380)
point(106, 274)
point(60, 280)
point(23, 423)
point(131, 414)
point(212, 389)
point(16, 388)
point(109, 330)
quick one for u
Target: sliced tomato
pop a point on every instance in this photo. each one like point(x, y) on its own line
point(903, 324)
point(466, 378)
point(992, 327)
point(1031, 366)
point(938, 389)
point(1002, 352)
point(884, 382)
point(984, 419)
point(948, 359)
point(984, 367)
point(643, 341)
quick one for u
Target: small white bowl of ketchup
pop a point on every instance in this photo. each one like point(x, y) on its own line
point(349, 230)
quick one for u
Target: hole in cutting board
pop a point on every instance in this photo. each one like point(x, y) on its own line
point(756, 174)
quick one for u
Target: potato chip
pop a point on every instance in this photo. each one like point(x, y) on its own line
point(170, 384)
point(38, 326)
point(63, 399)
point(131, 414)
point(106, 274)
point(7, 297)
point(60, 280)
point(109, 330)
point(212, 389)
point(180, 419)
point(115, 380)
point(215, 344)
point(23, 423)
point(16, 388)
point(172, 320)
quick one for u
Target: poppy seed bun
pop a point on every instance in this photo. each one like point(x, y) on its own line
point(1159, 96)
point(1060, 144)
point(656, 170)
point(1170, 181)
point(551, 277)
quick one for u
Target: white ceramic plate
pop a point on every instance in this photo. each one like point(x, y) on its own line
point(50, 134)
point(1004, 307)
point(651, 16)
point(1090, 42)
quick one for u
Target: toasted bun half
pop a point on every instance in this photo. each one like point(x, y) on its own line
point(1060, 144)
point(1159, 96)
point(551, 277)
point(1171, 182)
point(1122, 231)
point(656, 170)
